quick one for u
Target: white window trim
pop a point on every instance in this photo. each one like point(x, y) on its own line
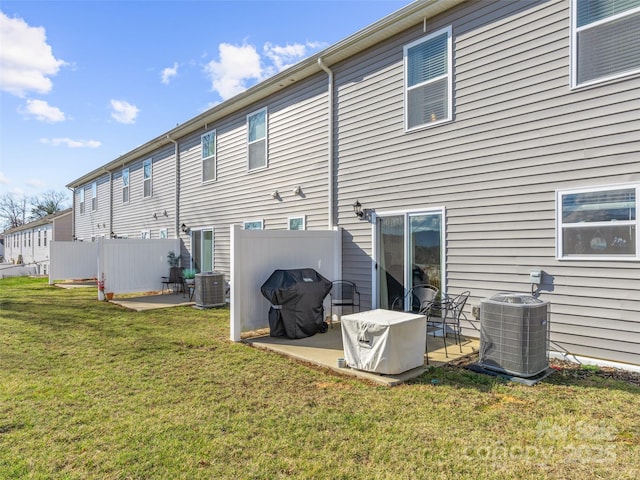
point(127, 186)
point(266, 140)
point(145, 234)
point(592, 258)
point(164, 233)
point(214, 156)
point(300, 217)
point(260, 221)
point(94, 196)
point(574, 47)
point(150, 179)
point(449, 116)
point(81, 200)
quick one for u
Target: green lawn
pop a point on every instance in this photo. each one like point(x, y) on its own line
point(91, 390)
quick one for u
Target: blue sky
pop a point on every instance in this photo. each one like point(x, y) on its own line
point(82, 82)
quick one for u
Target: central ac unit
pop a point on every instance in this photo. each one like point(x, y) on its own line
point(210, 289)
point(513, 334)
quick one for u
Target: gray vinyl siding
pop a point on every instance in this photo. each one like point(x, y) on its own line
point(297, 156)
point(138, 214)
point(93, 224)
point(519, 134)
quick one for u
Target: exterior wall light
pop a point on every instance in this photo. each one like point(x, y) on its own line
point(184, 228)
point(357, 209)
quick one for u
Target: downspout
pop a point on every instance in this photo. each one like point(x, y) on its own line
point(330, 143)
point(176, 185)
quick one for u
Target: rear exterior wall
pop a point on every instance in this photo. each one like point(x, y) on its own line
point(519, 133)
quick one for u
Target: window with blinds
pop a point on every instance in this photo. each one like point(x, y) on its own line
point(146, 177)
point(598, 223)
point(257, 139)
point(125, 185)
point(208, 142)
point(428, 80)
point(606, 43)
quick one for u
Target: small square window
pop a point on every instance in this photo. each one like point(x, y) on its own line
point(297, 223)
point(253, 225)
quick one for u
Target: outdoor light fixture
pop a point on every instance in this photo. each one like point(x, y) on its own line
point(357, 209)
point(297, 190)
point(155, 215)
point(184, 228)
point(165, 213)
point(275, 194)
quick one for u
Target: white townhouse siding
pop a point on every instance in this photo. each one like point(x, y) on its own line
point(519, 134)
point(93, 218)
point(30, 243)
point(151, 213)
point(297, 129)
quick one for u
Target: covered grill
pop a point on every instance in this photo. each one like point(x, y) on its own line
point(296, 297)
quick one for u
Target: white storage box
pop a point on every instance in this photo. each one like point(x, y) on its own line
point(384, 341)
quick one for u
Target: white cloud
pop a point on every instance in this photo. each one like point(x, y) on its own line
point(42, 111)
point(237, 66)
point(56, 142)
point(241, 66)
point(36, 183)
point(123, 112)
point(26, 60)
point(168, 73)
point(3, 179)
point(287, 55)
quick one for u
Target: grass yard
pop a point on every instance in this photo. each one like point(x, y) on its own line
point(91, 390)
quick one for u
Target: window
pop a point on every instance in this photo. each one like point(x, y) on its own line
point(598, 223)
point(94, 197)
point(253, 225)
point(296, 223)
point(146, 168)
point(605, 40)
point(164, 233)
point(81, 200)
point(29, 235)
point(428, 80)
point(208, 141)
point(257, 139)
point(45, 238)
point(125, 185)
point(145, 234)
point(39, 238)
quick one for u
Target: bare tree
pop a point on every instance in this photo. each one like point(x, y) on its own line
point(13, 210)
point(47, 203)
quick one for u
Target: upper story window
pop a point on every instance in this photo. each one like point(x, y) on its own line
point(125, 185)
point(257, 139)
point(598, 223)
point(94, 196)
point(208, 141)
point(605, 40)
point(45, 238)
point(297, 223)
point(428, 80)
point(39, 238)
point(81, 195)
point(146, 175)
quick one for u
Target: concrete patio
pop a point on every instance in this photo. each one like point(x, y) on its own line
point(324, 349)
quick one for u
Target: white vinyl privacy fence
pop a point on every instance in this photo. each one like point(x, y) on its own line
point(125, 265)
point(255, 254)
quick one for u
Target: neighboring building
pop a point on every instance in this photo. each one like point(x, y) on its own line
point(486, 139)
point(30, 244)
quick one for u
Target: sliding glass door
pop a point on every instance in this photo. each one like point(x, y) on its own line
point(202, 254)
point(410, 252)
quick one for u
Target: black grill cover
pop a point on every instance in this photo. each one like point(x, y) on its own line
point(300, 294)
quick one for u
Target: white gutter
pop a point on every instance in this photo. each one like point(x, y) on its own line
point(330, 190)
point(177, 184)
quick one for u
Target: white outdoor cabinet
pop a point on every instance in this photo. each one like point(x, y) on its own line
point(384, 341)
